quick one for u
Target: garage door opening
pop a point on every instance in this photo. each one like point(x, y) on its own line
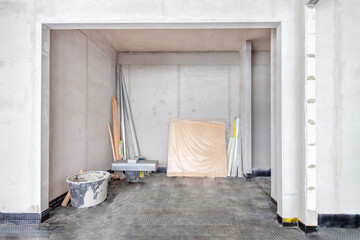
point(180, 73)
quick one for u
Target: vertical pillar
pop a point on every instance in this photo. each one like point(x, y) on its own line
point(308, 220)
point(274, 155)
point(245, 108)
point(43, 60)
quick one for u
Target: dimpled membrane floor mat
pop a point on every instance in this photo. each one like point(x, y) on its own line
point(174, 208)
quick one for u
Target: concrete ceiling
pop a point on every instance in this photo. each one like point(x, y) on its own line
point(184, 40)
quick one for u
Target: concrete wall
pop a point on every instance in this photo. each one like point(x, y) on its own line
point(246, 107)
point(273, 79)
point(82, 81)
point(17, 74)
point(179, 85)
point(338, 107)
point(261, 134)
point(20, 98)
point(195, 85)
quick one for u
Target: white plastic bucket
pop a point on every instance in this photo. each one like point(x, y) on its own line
point(88, 189)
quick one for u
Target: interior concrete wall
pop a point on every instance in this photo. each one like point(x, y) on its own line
point(20, 97)
point(338, 106)
point(82, 81)
point(198, 85)
point(261, 110)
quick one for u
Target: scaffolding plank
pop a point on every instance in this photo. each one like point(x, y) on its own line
point(116, 133)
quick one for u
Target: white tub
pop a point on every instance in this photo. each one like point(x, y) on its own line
point(88, 189)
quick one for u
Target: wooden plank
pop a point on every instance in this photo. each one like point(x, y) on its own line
point(67, 197)
point(112, 143)
point(114, 176)
point(116, 132)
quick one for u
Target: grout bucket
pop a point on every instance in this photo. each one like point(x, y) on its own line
point(88, 189)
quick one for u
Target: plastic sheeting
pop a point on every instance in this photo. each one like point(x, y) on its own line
point(197, 148)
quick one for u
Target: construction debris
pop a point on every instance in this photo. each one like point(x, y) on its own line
point(128, 145)
point(120, 174)
point(114, 176)
point(234, 152)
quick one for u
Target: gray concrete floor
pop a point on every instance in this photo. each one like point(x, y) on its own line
point(174, 208)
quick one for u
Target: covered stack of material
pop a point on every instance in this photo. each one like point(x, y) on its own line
point(197, 148)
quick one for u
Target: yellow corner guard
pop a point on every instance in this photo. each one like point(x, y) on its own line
point(290, 220)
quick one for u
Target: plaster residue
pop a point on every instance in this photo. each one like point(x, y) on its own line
point(33, 209)
point(13, 6)
point(311, 100)
point(312, 122)
point(83, 194)
point(85, 177)
point(311, 78)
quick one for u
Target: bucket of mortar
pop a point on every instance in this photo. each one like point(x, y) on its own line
point(88, 189)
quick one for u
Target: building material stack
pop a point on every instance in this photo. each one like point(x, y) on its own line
point(127, 147)
point(197, 148)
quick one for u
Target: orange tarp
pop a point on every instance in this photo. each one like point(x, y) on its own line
point(197, 148)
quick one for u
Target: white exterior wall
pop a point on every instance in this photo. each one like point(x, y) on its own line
point(20, 96)
point(261, 110)
point(338, 107)
point(19, 135)
point(179, 85)
point(82, 81)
